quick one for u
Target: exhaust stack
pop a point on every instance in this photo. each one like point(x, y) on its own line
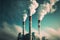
point(23, 28)
point(30, 27)
point(39, 27)
point(24, 19)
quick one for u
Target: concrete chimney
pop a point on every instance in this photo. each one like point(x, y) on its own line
point(30, 27)
point(23, 28)
point(39, 27)
point(30, 24)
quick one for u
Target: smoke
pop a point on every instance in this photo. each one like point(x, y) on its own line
point(45, 8)
point(52, 2)
point(24, 15)
point(33, 7)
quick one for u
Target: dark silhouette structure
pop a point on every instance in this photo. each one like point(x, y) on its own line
point(23, 28)
point(26, 37)
point(43, 38)
point(33, 36)
point(30, 27)
point(19, 36)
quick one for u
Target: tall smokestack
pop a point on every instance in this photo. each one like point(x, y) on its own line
point(24, 19)
point(23, 28)
point(32, 10)
point(39, 27)
point(30, 27)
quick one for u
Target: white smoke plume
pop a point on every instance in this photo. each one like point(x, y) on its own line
point(33, 7)
point(52, 2)
point(43, 10)
point(24, 16)
point(46, 8)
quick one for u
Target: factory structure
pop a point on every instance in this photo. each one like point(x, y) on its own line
point(30, 35)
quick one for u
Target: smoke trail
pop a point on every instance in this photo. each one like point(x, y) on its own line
point(24, 15)
point(45, 8)
point(33, 7)
point(52, 3)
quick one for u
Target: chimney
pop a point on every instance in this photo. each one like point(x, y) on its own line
point(19, 36)
point(30, 24)
point(24, 19)
point(39, 27)
point(30, 27)
point(23, 28)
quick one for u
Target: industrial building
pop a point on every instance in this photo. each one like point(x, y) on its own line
point(26, 37)
point(30, 35)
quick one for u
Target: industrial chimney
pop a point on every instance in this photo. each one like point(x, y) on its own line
point(24, 19)
point(23, 28)
point(39, 27)
point(32, 9)
point(30, 25)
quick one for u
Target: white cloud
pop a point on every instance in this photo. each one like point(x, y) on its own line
point(42, 33)
point(49, 33)
point(53, 32)
point(20, 29)
point(10, 32)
